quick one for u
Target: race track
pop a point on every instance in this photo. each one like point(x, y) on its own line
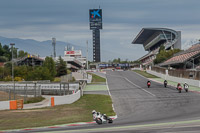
point(135, 103)
point(143, 110)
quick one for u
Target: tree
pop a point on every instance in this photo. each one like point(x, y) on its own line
point(164, 55)
point(3, 59)
point(50, 65)
point(5, 71)
point(8, 67)
point(22, 71)
point(38, 73)
point(7, 52)
point(22, 54)
point(117, 60)
point(61, 67)
point(1, 50)
point(162, 48)
point(14, 52)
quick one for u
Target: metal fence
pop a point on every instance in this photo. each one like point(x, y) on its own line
point(59, 88)
point(16, 91)
point(189, 74)
point(10, 91)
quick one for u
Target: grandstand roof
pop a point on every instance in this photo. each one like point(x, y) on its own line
point(146, 33)
point(182, 57)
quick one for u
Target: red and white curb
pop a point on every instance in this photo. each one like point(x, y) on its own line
point(55, 126)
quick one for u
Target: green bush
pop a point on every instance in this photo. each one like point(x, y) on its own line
point(57, 79)
point(34, 100)
point(3, 59)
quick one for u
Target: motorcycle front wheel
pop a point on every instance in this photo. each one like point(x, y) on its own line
point(99, 121)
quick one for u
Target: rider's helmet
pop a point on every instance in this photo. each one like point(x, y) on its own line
point(93, 111)
point(179, 84)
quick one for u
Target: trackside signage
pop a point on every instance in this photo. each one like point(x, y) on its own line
point(76, 52)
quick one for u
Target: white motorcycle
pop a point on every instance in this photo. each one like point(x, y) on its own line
point(101, 118)
point(186, 87)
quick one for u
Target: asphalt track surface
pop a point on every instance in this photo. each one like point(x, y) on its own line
point(145, 110)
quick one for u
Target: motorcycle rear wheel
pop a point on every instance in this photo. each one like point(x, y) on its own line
point(110, 120)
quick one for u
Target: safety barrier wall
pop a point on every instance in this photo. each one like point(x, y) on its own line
point(67, 99)
point(4, 105)
point(175, 79)
point(55, 100)
point(12, 105)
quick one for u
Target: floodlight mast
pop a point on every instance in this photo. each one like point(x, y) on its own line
point(54, 47)
point(12, 44)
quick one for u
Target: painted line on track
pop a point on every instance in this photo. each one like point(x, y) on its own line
point(140, 87)
point(115, 117)
point(133, 84)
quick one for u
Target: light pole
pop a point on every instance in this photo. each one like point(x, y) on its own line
point(87, 56)
point(16, 53)
point(12, 44)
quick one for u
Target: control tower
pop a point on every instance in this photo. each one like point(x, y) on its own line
point(95, 25)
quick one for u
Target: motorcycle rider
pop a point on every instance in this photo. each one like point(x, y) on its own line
point(148, 83)
point(101, 118)
point(93, 111)
point(186, 86)
point(165, 83)
point(179, 87)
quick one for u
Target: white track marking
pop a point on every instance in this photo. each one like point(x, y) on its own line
point(133, 84)
point(140, 87)
point(111, 97)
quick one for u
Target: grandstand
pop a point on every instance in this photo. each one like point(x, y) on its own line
point(188, 59)
point(153, 38)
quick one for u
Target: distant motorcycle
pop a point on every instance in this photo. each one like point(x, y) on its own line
point(148, 84)
point(179, 88)
point(165, 83)
point(186, 87)
point(101, 118)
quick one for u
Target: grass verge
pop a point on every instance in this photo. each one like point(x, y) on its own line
point(96, 78)
point(145, 74)
point(4, 96)
point(79, 111)
point(34, 100)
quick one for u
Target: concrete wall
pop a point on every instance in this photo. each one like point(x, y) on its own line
point(4, 105)
point(175, 79)
point(67, 99)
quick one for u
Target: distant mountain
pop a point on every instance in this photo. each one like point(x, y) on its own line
point(43, 48)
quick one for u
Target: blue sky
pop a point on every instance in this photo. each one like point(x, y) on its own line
point(68, 21)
